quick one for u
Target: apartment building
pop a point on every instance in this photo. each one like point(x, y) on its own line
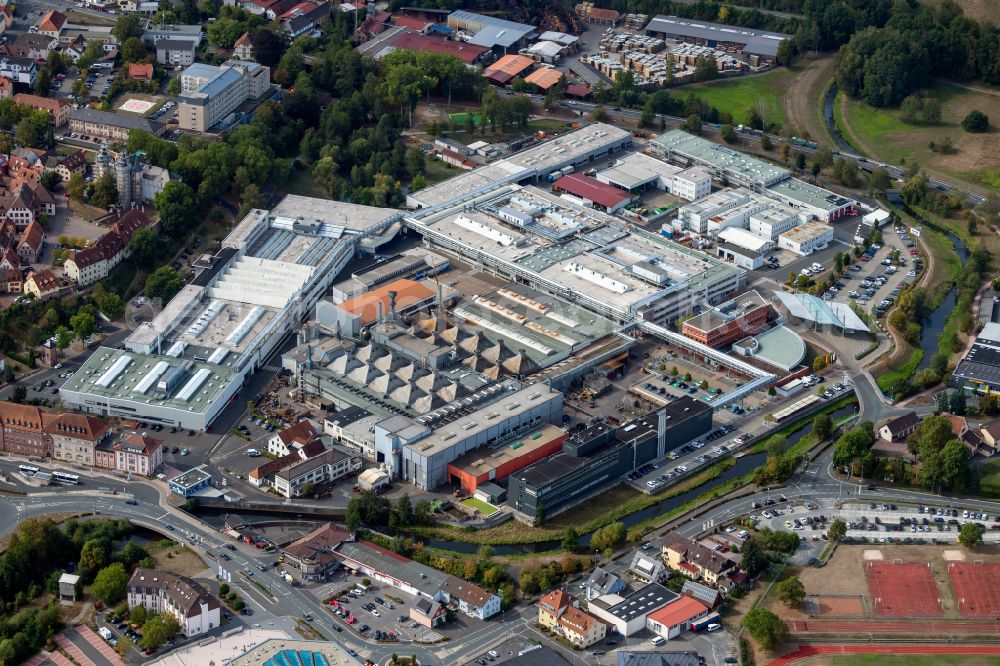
point(138, 455)
point(189, 603)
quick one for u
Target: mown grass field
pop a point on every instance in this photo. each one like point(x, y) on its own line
point(900, 660)
point(989, 478)
point(882, 134)
point(738, 95)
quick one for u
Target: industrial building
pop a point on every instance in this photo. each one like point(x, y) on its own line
point(695, 216)
point(591, 193)
point(490, 32)
point(816, 202)
point(760, 46)
point(691, 184)
point(806, 239)
point(393, 299)
point(979, 372)
point(183, 367)
point(425, 461)
point(415, 263)
point(495, 465)
point(723, 163)
point(627, 615)
point(601, 455)
point(637, 172)
point(728, 322)
point(209, 93)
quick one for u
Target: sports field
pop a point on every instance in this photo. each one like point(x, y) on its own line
point(881, 134)
point(899, 660)
point(484, 508)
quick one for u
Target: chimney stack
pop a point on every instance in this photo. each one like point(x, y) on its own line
point(392, 305)
point(378, 320)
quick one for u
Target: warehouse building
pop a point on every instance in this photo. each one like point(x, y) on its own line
point(979, 372)
point(182, 368)
point(806, 239)
point(637, 172)
point(627, 615)
point(731, 321)
point(425, 463)
point(814, 201)
point(490, 32)
point(592, 193)
point(747, 240)
point(760, 46)
point(723, 163)
point(599, 456)
point(494, 465)
point(745, 258)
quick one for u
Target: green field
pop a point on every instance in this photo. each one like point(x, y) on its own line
point(881, 133)
point(483, 507)
point(989, 478)
point(902, 660)
point(738, 95)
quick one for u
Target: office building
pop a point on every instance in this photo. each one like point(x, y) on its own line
point(728, 322)
point(812, 201)
point(807, 238)
point(209, 93)
point(109, 126)
point(691, 184)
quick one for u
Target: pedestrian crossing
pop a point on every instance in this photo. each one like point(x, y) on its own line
point(270, 367)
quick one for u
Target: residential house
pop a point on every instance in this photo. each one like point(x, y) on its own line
point(21, 205)
point(292, 438)
point(196, 611)
point(11, 281)
point(6, 87)
point(306, 466)
point(59, 109)
point(695, 560)
point(6, 17)
point(18, 69)
point(10, 260)
point(24, 431)
point(72, 164)
point(313, 555)
point(470, 598)
point(140, 71)
point(676, 618)
point(95, 263)
point(307, 21)
point(29, 247)
point(602, 582)
point(559, 612)
point(899, 428)
point(33, 46)
point(44, 285)
point(243, 48)
point(428, 612)
point(648, 566)
point(51, 23)
point(990, 436)
point(75, 437)
point(176, 52)
point(703, 593)
point(138, 455)
point(25, 165)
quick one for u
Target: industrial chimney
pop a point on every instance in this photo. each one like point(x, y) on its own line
point(392, 305)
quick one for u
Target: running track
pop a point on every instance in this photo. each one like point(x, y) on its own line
point(891, 627)
point(813, 650)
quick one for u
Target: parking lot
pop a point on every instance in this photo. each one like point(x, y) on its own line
point(886, 523)
point(687, 459)
point(879, 274)
point(381, 613)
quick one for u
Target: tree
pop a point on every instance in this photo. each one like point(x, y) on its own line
point(93, 556)
point(267, 47)
point(145, 247)
point(976, 122)
point(837, 530)
point(64, 337)
point(126, 27)
point(570, 540)
point(791, 592)
point(970, 535)
point(880, 180)
point(957, 403)
point(765, 142)
point(853, 445)
point(608, 536)
point(109, 584)
point(163, 283)
point(138, 615)
point(105, 192)
point(766, 628)
point(786, 152)
point(50, 179)
point(176, 205)
point(728, 134)
point(157, 630)
point(822, 426)
point(133, 50)
point(753, 561)
point(800, 161)
point(692, 124)
point(83, 324)
point(404, 511)
point(173, 86)
point(75, 186)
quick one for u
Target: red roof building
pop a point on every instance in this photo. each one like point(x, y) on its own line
point(414, 23)
point(467, 53)
point(593, 192)
point(676, 617)
point(140, 71)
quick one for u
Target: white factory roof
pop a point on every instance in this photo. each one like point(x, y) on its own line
point(560, 37)
point(721, 157)
point(807, 232)
point(353, 217)
point(545, 49)
point(636, 170)
point(744, 239)
point(261, 281)
point(570, 147)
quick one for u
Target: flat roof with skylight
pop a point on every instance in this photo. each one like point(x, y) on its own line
point(702, 151)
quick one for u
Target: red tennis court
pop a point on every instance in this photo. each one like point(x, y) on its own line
point(903, 589)
point(977, 587)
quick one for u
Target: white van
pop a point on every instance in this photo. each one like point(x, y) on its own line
point(714, 627)
point(659, 640)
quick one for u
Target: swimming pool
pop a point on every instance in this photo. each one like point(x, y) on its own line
point(296, 658)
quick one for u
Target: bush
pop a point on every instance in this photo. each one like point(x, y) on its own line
point(976, 122)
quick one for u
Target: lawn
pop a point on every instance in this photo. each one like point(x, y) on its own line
point(738, 95)
point(302, 183)
point(881, 133)
point(537, 125)
point(435, 171)
point(484, 508)
point(989, 478)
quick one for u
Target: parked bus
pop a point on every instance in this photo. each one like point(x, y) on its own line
point(28, 469)
point(68, 479)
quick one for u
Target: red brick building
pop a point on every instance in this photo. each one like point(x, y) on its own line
point(485, 464)
point(729, 322)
